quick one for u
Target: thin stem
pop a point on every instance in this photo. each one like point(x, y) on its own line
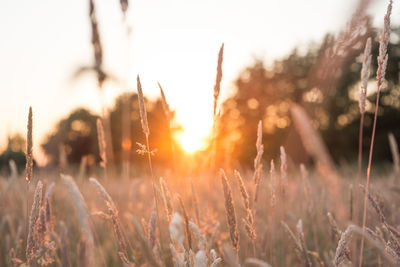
point(27, 210)
point(371, 150)
point(254, 248)
point(149, 158)
point(154, 189)
point(360, 150)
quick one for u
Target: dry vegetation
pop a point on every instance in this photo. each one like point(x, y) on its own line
point(286, 216)
point(90, 222)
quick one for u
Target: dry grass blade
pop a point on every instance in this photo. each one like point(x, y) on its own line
point(142, 109)
point(273, 183)
point(342, 248)
point(167, 199)
point(257, 161)
point(80, 204)
point(395, 153)
point(47, 206)
point(110, 203)
point(311, 139)
point(230, 211)
point(177, 259)
point(249, 221)
point(394, 234)
point(165, 105)
point(118, 230)
point(365, 75)
point(345, 239)
point(186, 220)
point(152, 226)
point(201, 239)
point(29, 148)
point(383, 44)
point(217, 86)
point(283, 163)
point(96, 43)
point(283, 180)
point(213, 235)
point(304, 250)
point(102, 141)
point(380, 76)
point(31, 244)
point(65, 259)
point(243, 191)
point(335, 229)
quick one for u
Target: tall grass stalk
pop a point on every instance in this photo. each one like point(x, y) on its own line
point(146, 131)
point(380, 76)
point(168, 116)
point(230, 213)
point(362, 99)
point(257, 161)
point(29, 163)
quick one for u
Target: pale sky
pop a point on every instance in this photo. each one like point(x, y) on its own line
point(176, 42)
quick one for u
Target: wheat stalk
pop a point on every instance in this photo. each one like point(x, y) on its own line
point(302, 242)
point(283, 180)
point(257, 160)
point(31, 243)
point(217, 86)
point(195, 202)
point(230, 212)
point(363, 96)
point(167, 199)
point(249, 221)
point(380, 76)
point(29, 149)
point(119, 232)
point(83, 217)
point(186, 220)
point(102, 142)
point(29, 163)
point(142, 109)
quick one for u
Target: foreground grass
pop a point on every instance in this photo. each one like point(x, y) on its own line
point(121, 227)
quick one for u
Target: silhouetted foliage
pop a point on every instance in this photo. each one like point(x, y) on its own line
point(76, 134)
point(14, 151)
point(159, 131)
point(266, 93)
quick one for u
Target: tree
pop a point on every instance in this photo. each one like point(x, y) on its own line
point(159, 130)
point(327, 86)
point(14, 151)
point(76, 134)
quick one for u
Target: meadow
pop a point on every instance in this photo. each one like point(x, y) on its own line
point(274, 213)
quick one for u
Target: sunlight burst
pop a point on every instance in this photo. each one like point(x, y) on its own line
point(191, 141)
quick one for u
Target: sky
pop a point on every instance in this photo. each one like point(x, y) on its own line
point(175, 42)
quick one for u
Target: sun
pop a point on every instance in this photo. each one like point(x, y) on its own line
point(191, 142)
point(195, 133)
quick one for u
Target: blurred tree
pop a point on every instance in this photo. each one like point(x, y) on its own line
point(76, 134)
point(15, 151)
point(326, 83)
point(159, 132)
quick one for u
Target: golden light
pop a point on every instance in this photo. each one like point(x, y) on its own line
point(196, 130)
point(190, 142)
